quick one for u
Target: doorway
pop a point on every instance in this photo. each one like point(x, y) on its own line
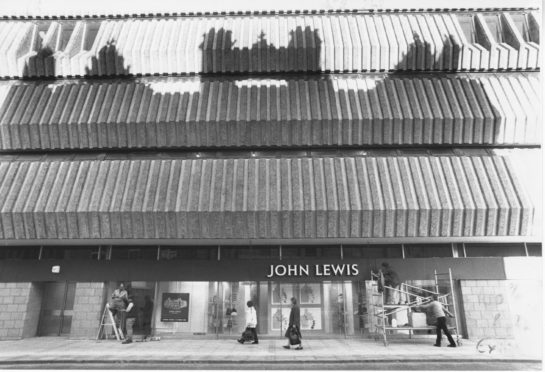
point(57, 308)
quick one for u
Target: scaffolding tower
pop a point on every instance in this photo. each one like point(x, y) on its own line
point(413, 296)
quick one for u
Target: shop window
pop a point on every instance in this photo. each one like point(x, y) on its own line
point(189, 253)
point(134, 253)
point(372, 251)
point(19, 253)
point(534, 249)
point(310, 251)
point(427, 250)
point(73, 253)
point(495, 250)
point(249, 253)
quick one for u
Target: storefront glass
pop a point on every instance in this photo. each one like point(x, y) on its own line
point(329, 308)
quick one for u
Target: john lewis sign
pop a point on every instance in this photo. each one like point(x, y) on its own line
point(313, 270)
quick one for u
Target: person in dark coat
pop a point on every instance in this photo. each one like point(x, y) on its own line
point(391, 279)
point(294, 324)
point(147, 311)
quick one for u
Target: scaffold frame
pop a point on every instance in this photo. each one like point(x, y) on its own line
point(382, 311)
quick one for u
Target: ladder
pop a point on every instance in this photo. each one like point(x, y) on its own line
point(107, 319)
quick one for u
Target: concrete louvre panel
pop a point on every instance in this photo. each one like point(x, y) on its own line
point(191, 112)
point(514, 204)
point(370, 196)
point(264, 43)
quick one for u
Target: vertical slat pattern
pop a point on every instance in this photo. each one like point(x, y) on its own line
point(264, 43)
point(189, 112)
point(424, 196)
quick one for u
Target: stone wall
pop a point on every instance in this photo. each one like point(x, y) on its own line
point(20, 305)
point(34, 306)
point(486, 309)
point(88, 307)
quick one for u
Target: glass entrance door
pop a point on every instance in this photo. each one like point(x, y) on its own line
point(57, 308)
point(326, 308)
point(227, 306)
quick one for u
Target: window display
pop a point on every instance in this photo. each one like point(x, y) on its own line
point(311, 318)
point(219, 307)
point(310, 294)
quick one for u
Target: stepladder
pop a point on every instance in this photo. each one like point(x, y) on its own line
point(107, 322)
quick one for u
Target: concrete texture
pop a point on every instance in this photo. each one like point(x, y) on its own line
point(315, 111)
point(19, 310)
point(88, 307)
point(346, 42)
point(486, 310)
point(306, 197)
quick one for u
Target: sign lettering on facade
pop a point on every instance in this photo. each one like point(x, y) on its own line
point(313, 270)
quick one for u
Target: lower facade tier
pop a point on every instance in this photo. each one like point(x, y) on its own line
point(493, 297)
point(366, 196)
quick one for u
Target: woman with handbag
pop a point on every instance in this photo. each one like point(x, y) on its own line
point(293, 333)
point(251, 324)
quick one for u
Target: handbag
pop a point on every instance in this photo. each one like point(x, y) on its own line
point(247, 335)
point(293, 336)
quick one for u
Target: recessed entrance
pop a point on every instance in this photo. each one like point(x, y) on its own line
point(57, 308)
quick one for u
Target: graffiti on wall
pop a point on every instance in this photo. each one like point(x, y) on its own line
point(525, 304)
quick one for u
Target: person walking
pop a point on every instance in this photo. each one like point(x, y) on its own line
point(438, 311)
point(130, 318)
point(294, 327)
point(251, 323)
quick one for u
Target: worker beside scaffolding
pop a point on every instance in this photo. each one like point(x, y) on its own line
point(439, 312)
point(391, 284)
point(384, 316)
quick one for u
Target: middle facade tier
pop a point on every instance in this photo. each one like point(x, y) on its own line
point(330, 110)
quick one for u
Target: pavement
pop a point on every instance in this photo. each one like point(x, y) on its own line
point(321, 352)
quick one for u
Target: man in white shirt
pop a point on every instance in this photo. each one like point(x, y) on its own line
point(118, 304)
point(251, 320)
point(438, 311)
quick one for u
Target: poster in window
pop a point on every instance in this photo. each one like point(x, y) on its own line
point(280, 318)
point(311, 318)
point(281, 294)
point(310, 294)
point(175, 307)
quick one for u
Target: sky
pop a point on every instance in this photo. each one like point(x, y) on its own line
point(80, 7)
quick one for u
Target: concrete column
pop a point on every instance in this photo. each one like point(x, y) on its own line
point(88, 307)
point(20, 305)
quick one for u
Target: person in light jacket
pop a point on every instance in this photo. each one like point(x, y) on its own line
point(251, 320)
point(438, 311)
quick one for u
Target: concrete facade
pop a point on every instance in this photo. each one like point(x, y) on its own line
point(486, 308)
point(20, 305)
point(325, 182)
point(88, 307)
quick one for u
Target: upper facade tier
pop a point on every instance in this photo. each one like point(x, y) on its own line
point(261, 43)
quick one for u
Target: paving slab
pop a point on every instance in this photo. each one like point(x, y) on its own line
point(55, 349)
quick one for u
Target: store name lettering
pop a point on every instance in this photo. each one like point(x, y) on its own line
point(318, 270)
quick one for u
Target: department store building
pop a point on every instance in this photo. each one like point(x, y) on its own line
point(263, 155)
